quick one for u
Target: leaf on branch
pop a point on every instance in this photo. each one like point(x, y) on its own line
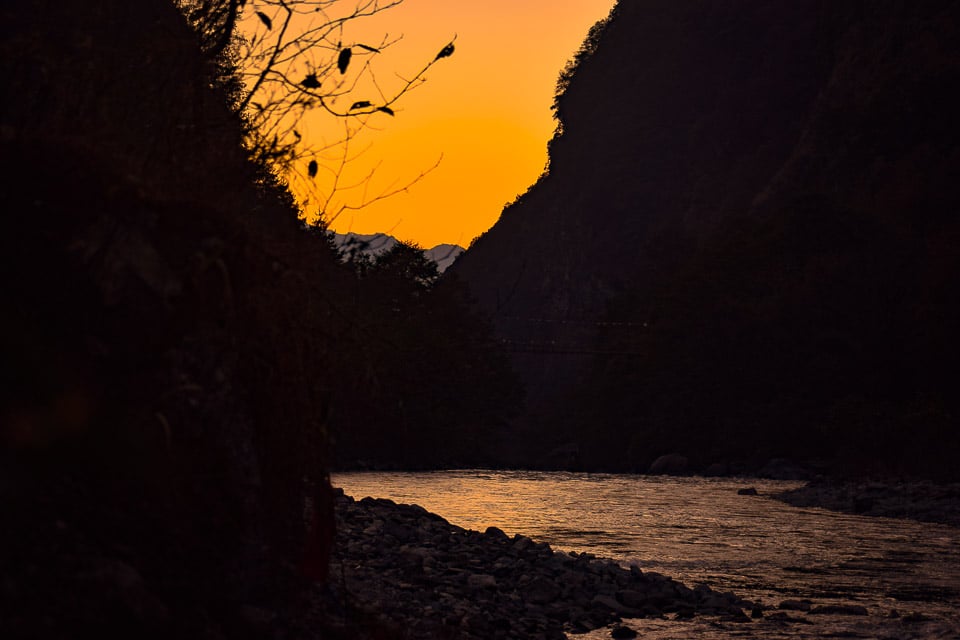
point(343, 60)
point(296, 134)
point(362, 104)
point(311, 82)
point(312, 169)
point(386, 110)
point(265, 19)
point(368, 48)
point(446, 52)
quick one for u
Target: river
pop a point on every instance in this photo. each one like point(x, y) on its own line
point(699, 530)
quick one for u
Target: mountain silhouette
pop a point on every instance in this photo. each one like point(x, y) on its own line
point(744, 245)
point(373, 244)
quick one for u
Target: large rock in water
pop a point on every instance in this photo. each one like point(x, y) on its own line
point(747, 205)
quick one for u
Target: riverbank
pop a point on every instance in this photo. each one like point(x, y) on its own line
point(421, 576)
point(915, 500)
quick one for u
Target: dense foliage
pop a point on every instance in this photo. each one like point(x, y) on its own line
point(177, 347)
point(433, 390)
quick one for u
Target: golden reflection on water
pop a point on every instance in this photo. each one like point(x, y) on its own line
point(700, 530)
point(607, 514)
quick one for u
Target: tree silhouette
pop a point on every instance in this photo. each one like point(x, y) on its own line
point(426, 385)
point(294, 57)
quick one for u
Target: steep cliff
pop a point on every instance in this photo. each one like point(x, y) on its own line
point(741, 247)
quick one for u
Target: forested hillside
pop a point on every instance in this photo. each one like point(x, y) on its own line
point(745, 244)
point(181, 355)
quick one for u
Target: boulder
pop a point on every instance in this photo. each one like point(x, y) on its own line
point(717, 470)
point(783, 469)
point(622, 631)
point(609, 602)
point(401, 532)
point(540, 590)
point(566, 456)
point(669, 464)
point(631, 598)
point(496, 532)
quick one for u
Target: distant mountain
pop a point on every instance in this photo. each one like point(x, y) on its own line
point(374, 244)
point(444, 255)
point(370, 244)
point(746, 242)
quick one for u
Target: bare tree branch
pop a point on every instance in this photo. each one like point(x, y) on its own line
point(294, 58)
point(366, 201)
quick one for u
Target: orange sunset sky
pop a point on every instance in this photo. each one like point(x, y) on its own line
point(485, 110)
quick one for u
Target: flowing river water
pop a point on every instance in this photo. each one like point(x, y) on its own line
point(699, 530)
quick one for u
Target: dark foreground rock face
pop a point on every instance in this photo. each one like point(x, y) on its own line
point(431, 579)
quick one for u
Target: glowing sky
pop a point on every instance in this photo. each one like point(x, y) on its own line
point(486, 110)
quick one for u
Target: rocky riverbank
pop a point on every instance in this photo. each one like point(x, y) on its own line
point(425, 578)
point(923, 501)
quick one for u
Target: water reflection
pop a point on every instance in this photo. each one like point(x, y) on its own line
point(700, 531)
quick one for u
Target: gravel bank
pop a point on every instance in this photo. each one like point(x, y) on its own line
point(923, 501)
point(426, 578)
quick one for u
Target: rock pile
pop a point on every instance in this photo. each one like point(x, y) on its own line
point(429, 578)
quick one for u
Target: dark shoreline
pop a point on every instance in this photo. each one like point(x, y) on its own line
point(919, 500)
point(419, 576)
point(408, 573)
